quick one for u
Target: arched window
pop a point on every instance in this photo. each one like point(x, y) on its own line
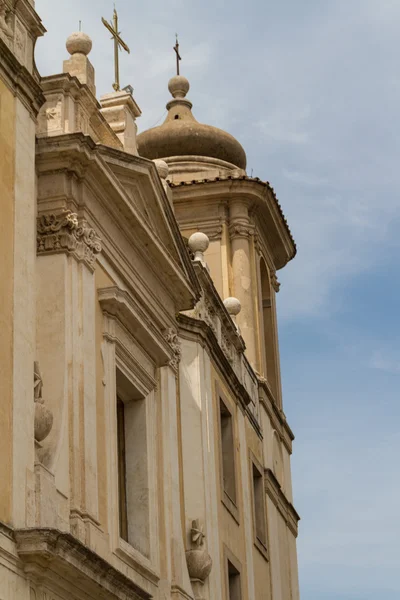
point(269, 335)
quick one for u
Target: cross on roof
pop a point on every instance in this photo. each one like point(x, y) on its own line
point(178, 56)
point(118, 43)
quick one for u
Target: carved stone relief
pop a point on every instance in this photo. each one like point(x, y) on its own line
point(50, 116)
point(6, 29)
point(20, 42)
point(63, 233)
point(172, 338)
point(274, 282)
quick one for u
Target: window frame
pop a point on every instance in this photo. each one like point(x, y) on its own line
point(260, 543)
point(231, 504)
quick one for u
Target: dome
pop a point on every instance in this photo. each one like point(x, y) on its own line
point(182, 135)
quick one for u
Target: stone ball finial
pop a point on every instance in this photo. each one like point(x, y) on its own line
point(198, 244)
point(162, 168)
point(79, 42)
point(178, 86)
point(233, 306)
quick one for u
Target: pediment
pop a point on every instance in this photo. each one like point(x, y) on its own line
point(148, 198)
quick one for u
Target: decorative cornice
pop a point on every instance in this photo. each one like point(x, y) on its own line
point(47, 551)
point(286, 508)
point(263, 199)
point(57, 233)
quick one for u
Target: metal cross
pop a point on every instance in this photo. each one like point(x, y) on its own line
point(118, 42)
point(178, 56)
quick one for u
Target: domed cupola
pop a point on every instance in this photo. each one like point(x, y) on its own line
point(184, 143)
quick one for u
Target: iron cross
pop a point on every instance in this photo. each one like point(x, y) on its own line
point(178, 56)
point(118, 42)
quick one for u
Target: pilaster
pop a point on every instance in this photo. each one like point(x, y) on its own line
point(67, 250)
point(177, 571)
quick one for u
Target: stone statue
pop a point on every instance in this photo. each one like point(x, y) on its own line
point(198, 560)
point(43, 416)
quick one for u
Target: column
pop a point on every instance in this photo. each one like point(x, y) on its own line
point(240, 231)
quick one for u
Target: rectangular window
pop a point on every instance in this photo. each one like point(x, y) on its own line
point(234, 582)
point(228, 452)
point(259, 505)
point(133, 475)
point(123, 517)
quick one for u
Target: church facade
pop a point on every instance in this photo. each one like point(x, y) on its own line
point(145, 451)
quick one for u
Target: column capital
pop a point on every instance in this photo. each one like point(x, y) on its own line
point(62, 232)
point(240, 230)
point(172, 338)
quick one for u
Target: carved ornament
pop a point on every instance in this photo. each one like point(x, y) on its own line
point(172, 338)
point(198, 560)
point(63, 233)
point(6, 31)
point(240, 230)
point(274, 282)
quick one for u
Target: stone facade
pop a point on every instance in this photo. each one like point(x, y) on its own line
point(145, 451)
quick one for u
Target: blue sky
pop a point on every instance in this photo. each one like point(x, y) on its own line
point(312, 90)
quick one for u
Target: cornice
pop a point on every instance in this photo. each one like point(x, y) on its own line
point(46, 550)
point(122, 306)
point(286, 508)
point(195, 329)
point(261, 197)
point(20, 81)
point(275, 414)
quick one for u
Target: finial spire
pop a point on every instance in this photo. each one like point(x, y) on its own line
point(118, 43)
point(178, 56)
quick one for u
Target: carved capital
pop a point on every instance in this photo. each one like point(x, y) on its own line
point(274, 282)
point(172, 338)
point(63, 233)
point(240, 230)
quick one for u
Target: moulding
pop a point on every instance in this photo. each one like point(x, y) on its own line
point(22, 84)
point(286, 508)
point(48, 551)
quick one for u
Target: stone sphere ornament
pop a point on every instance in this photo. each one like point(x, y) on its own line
point(233, 306)
point(79, 43)
point(198, 244)
point(162, 168)
point(178, 86)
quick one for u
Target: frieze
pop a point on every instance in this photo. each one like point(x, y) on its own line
point(63, 233)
